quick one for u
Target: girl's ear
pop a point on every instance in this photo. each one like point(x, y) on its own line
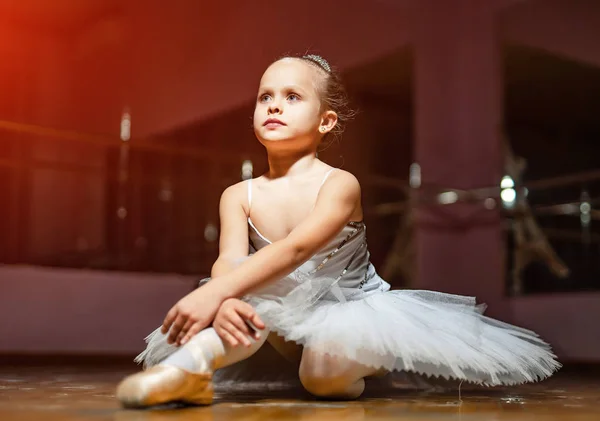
point(328, 121)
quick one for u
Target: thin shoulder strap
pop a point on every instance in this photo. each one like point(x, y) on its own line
point(249, 194)
point(325, 178)
point(323, 182)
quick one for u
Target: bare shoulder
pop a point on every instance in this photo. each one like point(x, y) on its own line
point(236, 194)
point(344, 180)
point(341, 193)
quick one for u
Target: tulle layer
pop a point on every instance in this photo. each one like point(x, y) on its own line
point(425, 332)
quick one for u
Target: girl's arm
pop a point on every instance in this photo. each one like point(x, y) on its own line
point(336, 204)
point(338, 200)
point(233, 246)
point(233, 240)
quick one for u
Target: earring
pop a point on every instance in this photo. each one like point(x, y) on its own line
point(322, 129)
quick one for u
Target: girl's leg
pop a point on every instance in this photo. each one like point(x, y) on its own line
point(289, 350)
point(333, 377)
point(186, 374)
point(207, 352)
point(239, 353)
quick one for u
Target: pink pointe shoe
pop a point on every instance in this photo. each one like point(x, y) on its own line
point(163, 384)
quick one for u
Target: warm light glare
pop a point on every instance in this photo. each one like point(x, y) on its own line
point(489, 203)
point(125, 127)
point(211, 233)
point(247, 170)
point(448, 198)
point(585, 207)
point(415, 176)
point(507, 182)
point(508, 193)
point(508, 196)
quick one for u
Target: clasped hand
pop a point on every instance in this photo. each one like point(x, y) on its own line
point(236, 322)
point(190, 315)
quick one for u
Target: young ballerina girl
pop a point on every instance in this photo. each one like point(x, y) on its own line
point(308, 281)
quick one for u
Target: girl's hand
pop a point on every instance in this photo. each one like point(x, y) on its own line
point(231, 322)
point(190, 315)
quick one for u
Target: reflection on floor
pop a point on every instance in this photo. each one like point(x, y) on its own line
point(82, 392)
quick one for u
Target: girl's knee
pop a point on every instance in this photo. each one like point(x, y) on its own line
point(333, 387)
point(325, 377)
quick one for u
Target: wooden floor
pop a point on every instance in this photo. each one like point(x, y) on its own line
point(87, 393)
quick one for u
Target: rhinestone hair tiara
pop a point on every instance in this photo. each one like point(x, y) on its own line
point(319, 60)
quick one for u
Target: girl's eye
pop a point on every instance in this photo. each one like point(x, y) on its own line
point(264, 98)
point(293, 97)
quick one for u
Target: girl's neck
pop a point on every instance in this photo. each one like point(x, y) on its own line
point(291, 165)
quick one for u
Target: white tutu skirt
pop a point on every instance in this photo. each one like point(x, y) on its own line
point(426, 332)
point(420, 331)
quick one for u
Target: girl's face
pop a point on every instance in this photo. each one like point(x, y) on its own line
point(288, 105)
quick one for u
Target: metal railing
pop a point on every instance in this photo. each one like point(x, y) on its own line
point(92, 201)
point(77, 200)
